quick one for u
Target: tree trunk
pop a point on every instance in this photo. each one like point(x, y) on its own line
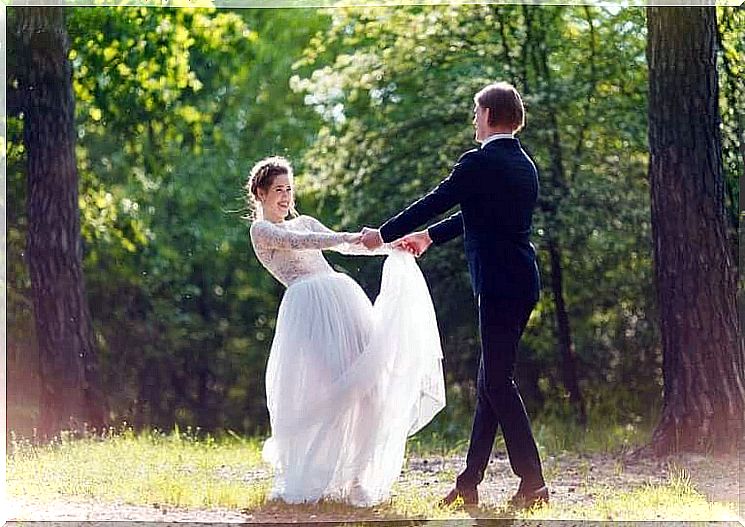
point(564, 334)
point(70, 395)
point(703, 355)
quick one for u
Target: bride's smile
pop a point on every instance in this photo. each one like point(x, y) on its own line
point(278, 200)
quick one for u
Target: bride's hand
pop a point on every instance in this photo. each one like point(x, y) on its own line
point(354, 238)
point(371, 238)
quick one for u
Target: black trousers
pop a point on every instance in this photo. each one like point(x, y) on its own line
point(501, 323)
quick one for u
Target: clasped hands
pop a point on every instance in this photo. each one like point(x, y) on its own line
point(415, 243)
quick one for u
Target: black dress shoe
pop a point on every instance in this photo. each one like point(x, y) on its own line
point(526, 498)
point(470, 497)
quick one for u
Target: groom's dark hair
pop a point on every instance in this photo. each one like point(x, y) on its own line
point(504, 103)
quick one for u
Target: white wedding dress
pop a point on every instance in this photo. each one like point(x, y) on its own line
point(347, 381)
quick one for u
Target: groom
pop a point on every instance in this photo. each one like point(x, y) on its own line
point(496, 187)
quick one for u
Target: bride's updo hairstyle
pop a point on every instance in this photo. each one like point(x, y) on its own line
point(262, 177)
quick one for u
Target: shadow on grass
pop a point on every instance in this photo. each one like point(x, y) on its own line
point(323, 511)
point(334, 512)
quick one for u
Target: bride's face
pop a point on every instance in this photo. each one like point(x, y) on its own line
point(278, 199)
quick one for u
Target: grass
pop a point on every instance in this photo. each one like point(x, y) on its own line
point(675, 500)
point(180, 469)
point(616, 421)
point(147, 468)
point(554, 435)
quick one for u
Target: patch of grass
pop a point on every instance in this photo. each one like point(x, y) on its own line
point(556, 434)
point(407, 501)
point(182, 470)
point(428, 444)
point(416, 502)
point(146, 468)
point(617, 420)
point(675, 500)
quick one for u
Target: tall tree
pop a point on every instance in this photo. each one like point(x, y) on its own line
point(703, 357)
point(172, 107)
point(557, 195)
point(70, 389)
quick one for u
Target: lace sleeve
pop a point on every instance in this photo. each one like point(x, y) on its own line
point(267, 235)
point(346, 248)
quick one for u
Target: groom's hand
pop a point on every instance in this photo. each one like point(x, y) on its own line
point(371, 238)
point(415, 243)
point(402, 245)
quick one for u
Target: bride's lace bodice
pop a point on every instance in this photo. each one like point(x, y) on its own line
point(292, 249)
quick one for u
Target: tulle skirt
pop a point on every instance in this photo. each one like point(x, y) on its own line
point(347, 382)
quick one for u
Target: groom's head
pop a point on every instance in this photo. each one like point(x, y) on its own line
point(498, 108)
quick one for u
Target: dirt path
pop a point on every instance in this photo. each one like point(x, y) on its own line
point(570, 476)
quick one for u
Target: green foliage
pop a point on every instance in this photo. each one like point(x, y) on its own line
point(397, 110)
point(173, 107)
point(372, 106)
point(731, 64)
point(618, 420)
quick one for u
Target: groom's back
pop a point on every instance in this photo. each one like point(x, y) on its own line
point(497, 220)
point(507, 192)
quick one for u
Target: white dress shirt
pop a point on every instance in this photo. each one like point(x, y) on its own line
point(496, 136)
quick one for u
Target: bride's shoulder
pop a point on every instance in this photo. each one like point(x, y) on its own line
point(259, 226)
point(304, 219)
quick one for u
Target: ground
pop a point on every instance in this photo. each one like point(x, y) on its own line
point(574, 480)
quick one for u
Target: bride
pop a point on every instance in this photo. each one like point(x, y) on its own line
point(346, 381)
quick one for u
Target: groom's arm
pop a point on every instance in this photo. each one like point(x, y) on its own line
point(451, 191)
point(446, 229)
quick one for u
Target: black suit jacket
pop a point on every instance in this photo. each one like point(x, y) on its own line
point(496, 187)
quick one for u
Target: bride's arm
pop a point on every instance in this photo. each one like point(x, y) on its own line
point(266, 234)
point(346, 247)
